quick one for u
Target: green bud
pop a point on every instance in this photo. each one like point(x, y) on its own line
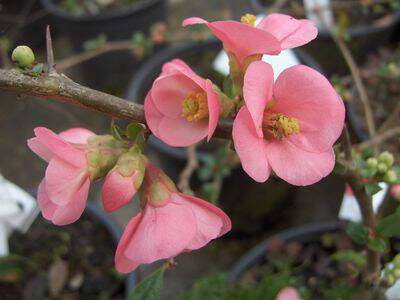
point(382, 167)
point(23, 56)
point(396, 273)
point(386, 158)
point(391, 279)
point(390, 176)
point(372, 162)
point(132, 162)
point(396, 261)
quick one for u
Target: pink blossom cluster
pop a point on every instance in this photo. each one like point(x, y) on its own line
point(288, 126)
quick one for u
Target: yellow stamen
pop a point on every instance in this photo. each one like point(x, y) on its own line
point(279, 126)
point(248, 19)
point(195, 107)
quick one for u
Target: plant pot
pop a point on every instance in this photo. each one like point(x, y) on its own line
point(67, 242)
point(256, 255)
point(108, 71)
point(364, 38)
point(31, 34)
point(193, 54)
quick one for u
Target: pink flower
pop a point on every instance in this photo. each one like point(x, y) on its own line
point(274, 33)
point(123, 181)
point(288, 293)
point(169, 224)
point(289, 126)
point(63, 192)
point(181, 108)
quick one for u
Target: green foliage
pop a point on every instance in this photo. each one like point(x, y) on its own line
point(212, 287)
point(357, 232)
point(150, 288)
point(341, 292)
point(390, 225)
point(96, 42)
point(372, 188)
point(377, 244)
point(350, 256)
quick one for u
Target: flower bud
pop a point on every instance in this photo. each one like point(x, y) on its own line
point(157, 187)
point(132, 162)
point(23, 56)
point(395, 192)
point(391, 279)
point(390, 176)
point(382, 167)
point(372, 162)
point(386, 158)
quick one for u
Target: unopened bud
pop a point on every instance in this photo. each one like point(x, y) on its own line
point(386, 158)
point(390, 176)
point(382, 167)
point(130, 163)
point(23, 56)
point(395, 192)
point(372, 162)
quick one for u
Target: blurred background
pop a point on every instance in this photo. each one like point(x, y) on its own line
point(119, 46)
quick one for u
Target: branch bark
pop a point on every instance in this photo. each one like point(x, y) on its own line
point(61, 88)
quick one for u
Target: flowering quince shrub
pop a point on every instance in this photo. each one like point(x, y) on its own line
point(288, 126)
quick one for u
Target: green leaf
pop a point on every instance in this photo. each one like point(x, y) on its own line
point(372, 188)
point(150, 288)
point(116, 131)
point(357, 232)
point(133, 130)
point(390, 225)
point(368, 173)
point(377, 244)
point(96, 42)
point(350, 256)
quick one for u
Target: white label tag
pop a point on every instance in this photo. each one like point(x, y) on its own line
point(349, 209)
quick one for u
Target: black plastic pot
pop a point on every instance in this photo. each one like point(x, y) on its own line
point(142, 82)
point(364, 39)
point(303, 234)
point(109, 70)
point(95, 212)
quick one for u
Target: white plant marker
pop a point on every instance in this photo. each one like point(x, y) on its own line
point(279, 62)
point(324, 6)
point(18, 209)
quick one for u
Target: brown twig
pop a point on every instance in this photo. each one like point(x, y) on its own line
point(63, 89)
point(380, 138)
point(186, 174)
point(355, 73)
point(89, 54)
point(365, 203)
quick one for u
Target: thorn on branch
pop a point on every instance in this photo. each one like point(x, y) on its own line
point(50, 55)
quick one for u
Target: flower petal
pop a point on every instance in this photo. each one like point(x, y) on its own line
point(46, 206)
point(212, 222)
point(162, 233)
point(59, 147)
point(257, 91)
point(117, 190)
point(76, 135)
point(306, 32)
point(73, 210)
point(169, 91)
point(307, 95)
point(250, 147)
point(213, 109)
point(288, 293)
point(297, 166)
point(63, 180)
point(122, 263)
point(39, 149)
point(241, 39)
point(279, 25)
point(152, 114)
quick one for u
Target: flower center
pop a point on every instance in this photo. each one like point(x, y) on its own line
point(279, 126)
point(248, 19)
point(195, 107)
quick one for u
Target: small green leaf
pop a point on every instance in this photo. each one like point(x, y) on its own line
point(96, 42)
point(133, 130)
point(116, 131)
point(390, 225)
point(38, 68)
point(150, 288)
point(372, 188)
point(378, 244)
point(357, 232)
